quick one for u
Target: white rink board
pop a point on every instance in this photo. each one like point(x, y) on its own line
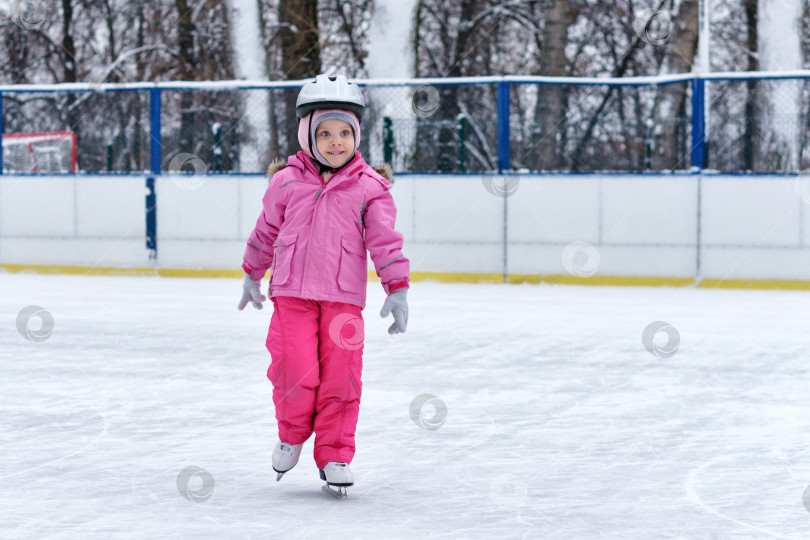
point(204, 222)
point(640, 225)
point(66, 220)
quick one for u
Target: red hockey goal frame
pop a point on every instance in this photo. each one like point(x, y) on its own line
point(46, 136)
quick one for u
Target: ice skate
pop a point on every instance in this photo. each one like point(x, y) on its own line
point(285, 457)
point(337, 475)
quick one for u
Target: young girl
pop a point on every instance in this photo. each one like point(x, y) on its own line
point(322, 210)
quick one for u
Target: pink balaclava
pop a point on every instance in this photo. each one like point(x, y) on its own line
point(308, 126)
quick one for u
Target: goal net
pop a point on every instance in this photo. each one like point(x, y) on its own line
point(50, 152)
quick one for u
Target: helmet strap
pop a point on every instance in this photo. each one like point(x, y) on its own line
point(309, 130)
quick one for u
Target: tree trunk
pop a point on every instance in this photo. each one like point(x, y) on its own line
point(300, 54)
point(68, 60)
point(750, 119)
point(417, 37)
point(139, 105)
point(188, 68)
point(551, 99)
point(274, 150)
point(448, 94)
point(671, 99)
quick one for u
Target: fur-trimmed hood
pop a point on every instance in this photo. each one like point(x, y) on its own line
point(383, 169)
point(275, 166)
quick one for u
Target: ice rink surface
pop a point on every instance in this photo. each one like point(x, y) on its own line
point(560, 424)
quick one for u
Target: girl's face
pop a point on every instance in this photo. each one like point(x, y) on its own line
point(335, 141)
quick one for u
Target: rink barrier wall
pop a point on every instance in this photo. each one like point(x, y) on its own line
point(637, 230)
point(601, 281)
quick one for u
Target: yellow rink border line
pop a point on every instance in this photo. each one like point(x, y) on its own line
point(443, 277)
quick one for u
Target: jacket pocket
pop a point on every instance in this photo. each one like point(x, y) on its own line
point(353, 264)
point(283, 251)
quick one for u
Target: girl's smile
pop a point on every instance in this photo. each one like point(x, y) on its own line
point(335, 141)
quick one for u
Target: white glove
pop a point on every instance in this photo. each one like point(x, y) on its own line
point(397, 302)
point(251, 292)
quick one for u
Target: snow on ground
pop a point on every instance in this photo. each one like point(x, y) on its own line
point(560, 424)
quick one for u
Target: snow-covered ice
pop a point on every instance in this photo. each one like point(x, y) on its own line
point(560, 424)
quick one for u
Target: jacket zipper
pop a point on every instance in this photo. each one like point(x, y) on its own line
point(312, 226)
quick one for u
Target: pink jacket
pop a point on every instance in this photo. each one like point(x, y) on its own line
point(315, 235)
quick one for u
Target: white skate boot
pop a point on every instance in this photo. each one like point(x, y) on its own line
point(339, 475)
point(285, 457)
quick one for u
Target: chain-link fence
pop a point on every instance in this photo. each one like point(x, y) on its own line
point(593, 128)
point(111, 129)
point(434, 127)
point(443, 126)
point(758, 125)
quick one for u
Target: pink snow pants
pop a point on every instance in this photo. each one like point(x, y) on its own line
point(316, 350)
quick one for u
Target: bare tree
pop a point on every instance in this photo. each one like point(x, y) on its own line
point(463, 38)
point(188, 67)
point(747, 153)
point(344, 31)
point(620, 59)
point(670, 103)
point(551, 99)
point(300, 53)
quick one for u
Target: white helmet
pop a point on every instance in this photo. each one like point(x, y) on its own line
point(330, 92)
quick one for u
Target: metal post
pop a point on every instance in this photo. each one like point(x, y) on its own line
point(504, 161)
point(505, 231)
point(699, 232)
point(151, 218)
point(388, 141)
point(462, 143)
point(648, 144)
point(698, 124)
point(1, 133)
point(217, 130)
point(155, 158)
point(155, 146)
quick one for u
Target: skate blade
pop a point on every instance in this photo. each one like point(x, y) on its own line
point(279, 475)
point(339, 493)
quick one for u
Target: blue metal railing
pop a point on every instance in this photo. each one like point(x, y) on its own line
point(1, 133)
point(504, 135)
point(698, 146)
point(155, 145)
